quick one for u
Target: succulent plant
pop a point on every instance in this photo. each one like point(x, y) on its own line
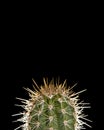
point(52, 107)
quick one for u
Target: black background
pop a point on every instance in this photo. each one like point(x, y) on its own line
point(66, 45)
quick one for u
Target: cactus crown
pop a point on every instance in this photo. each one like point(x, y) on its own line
point(52, 107)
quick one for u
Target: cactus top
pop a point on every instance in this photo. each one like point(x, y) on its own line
point(53, 107)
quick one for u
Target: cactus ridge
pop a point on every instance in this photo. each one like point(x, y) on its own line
point(52, 107)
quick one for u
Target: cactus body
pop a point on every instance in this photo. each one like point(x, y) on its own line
point(52, 107)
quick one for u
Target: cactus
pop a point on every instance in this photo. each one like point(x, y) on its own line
point(52, 107)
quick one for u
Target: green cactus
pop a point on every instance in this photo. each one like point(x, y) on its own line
point(52, 107)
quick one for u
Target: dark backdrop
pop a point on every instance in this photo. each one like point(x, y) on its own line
point(46, 44)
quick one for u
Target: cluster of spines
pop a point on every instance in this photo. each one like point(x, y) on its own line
point(38, 99)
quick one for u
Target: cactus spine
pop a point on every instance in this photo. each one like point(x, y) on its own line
point(52, 107)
